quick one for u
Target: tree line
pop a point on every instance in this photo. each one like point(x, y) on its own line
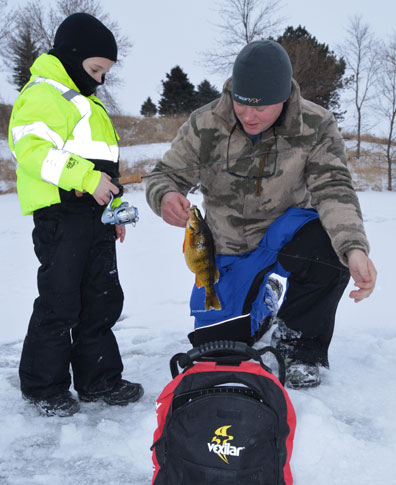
point(363, 68)
point(179, 96)
point(307, 56)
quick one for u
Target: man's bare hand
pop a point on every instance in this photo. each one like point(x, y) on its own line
point(102, 192)
point(363, 272)
point(174, 209)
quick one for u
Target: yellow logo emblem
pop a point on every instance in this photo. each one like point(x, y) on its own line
point(221, 446)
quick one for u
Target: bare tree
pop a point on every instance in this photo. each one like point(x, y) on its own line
point(359, 53)
point(7, 20)
point(386, 100)
point(244, 21)
point(43, 23)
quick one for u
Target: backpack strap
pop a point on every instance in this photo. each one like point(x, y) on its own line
point(280, 360)
point(226, 352)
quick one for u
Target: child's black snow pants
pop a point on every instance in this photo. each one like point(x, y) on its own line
point(80, 299)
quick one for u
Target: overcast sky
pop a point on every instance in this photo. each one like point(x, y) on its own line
point(166, 33)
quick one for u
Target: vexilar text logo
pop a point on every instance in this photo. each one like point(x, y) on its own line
point(221, 446)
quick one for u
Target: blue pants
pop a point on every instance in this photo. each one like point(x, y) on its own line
point(295, 246)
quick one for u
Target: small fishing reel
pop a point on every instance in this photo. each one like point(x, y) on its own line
point(121, 215)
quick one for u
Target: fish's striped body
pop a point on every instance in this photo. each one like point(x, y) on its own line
point(199, 251)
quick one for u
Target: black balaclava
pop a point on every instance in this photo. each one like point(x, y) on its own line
point(79, 37)
point(262, 74)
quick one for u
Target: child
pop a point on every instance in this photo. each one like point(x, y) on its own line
point(65, 145)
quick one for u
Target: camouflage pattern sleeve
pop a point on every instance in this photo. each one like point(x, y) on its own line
point(332, 193)
point(182, 155)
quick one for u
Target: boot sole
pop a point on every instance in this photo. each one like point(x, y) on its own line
point(61, 413)
point(306, 385)
point(111, 402)
point(132, 399)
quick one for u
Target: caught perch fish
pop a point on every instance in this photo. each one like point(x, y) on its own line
point(199, 251)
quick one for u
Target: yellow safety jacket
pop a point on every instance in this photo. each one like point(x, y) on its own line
point(60, 138)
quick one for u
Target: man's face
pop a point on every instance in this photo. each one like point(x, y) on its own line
point(256, 119)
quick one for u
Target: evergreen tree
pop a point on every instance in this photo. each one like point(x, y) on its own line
point(148, 108)
point(178, 96)
point(25, 53)
point(316, 69)
point(205, 93)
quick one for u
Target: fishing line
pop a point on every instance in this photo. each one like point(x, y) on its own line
point(244, 159)
point(302, 258)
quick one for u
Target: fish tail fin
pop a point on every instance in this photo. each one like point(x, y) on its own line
point(211, 300)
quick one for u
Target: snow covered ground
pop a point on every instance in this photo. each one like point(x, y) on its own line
point(346, 428)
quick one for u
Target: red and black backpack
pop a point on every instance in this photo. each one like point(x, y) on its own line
point(224, 419)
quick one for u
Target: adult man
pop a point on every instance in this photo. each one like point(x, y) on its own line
point(278, 198)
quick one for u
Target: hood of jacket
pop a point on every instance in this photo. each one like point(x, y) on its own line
point(50, 67)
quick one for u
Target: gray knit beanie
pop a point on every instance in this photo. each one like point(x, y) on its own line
point(262, 74)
